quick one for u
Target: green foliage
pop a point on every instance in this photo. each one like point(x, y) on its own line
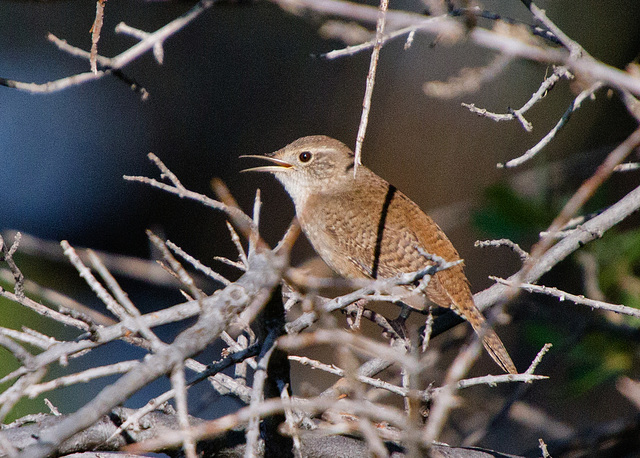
point(618, 258)
point(538, 334)
point(507, 214)
point(598, 358)
point(595, 359)
point(15, 316)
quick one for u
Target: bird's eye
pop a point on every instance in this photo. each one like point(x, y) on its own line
point(305, 156)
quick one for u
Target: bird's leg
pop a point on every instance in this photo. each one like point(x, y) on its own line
point(399, 324)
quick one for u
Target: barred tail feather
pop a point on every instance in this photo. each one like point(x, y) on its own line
point(462, 303)
point(496, 350)
point(490, 339)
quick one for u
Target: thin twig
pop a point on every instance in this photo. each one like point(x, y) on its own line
point(80, 377)
point(124, 300)
point(371, 79)
point(54, 410)
point(257, 398)
point(95, 34)
point(273, 406)
point(31, 337)
point(444, 401)
point(428, 329)
point(236, 241)
point(534, 364)
point(180, 394)
point(627, 167)
point(503, 242)
point(573, 106)
point(129, 266)
point(355, 49)
point(7, 257)
point(85, 273)
point(511, 44)
point(158, 50)
point(45, 311)
point(117, 62)
point(183, 275)
point(208, 271)
point(212, 372)
point(564, 296)
point(291, 422)
point(584, 192)
point(370, 292)
point(543, 449)
point(332, 369)
point(549, 82)
point(257, 204)
point(22, 355)
point(574, 48)
point(237, 264)
point(240, 220)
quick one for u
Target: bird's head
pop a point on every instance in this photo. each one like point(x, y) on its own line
point(309, 165)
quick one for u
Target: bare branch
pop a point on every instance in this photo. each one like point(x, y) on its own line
point(352, 50)
point(158, 50)
point(130, 309)
point(445, 401)
point(257, 398)
point(546, 86)
point(180, 390)
point(117, 62)
point(371, 79)
point(208, 271)
point(369, 292)
point(584, 192)
point(218, 310)
point(129, 266)
point(590, 230)
point(7, 257)
point(176, 267)
point(80, 377)
point(503, 242)
point(268, 408)
point(627, 167)
point(534, 364)
point(30, 336)
point(510, 44)
point(575, 104)
point(18, 352)
point(291, 423)
point(564, 296)
point(95, 34)
point(239, 219)
point(236, 241)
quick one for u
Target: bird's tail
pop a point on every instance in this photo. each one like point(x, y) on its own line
point(447, 290)
point(492, 342)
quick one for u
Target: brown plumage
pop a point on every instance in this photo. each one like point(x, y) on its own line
point(363, 227)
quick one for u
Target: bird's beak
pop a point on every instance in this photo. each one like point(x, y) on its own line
point(279, 166)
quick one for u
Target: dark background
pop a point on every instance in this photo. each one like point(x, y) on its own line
point(247, 79)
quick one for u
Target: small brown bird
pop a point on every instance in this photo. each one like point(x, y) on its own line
point(363, 227)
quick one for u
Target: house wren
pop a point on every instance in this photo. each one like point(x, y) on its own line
point(363, 227)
